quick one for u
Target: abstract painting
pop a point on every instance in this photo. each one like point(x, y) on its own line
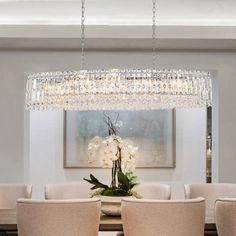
point(153, 131)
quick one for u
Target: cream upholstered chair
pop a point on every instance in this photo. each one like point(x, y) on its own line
point(210, 192)
point(163, 217)
point(67, 190)
point(9, 193)
point(58, 217)
point(154, 191)
point(225, 215)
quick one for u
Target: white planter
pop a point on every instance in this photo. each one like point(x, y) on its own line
point(111, 206)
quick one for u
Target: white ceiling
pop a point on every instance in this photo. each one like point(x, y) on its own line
point(188, 22)
point(118, 12)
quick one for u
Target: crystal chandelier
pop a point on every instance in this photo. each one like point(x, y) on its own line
point(118, 89)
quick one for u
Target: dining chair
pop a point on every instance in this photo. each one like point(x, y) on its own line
point(153, 190)
point(9, 193)
point(210, 192)
point(225, 215)
point(71, 190)
point(163, 217)
point(58, 217)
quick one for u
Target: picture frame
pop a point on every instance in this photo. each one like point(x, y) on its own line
point(82, 126)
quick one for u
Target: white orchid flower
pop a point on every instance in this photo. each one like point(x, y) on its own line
point(133, 151)
point(128, 165)
point(92, 146)
point(118, 139)
point(110, 149)
point(124, 154)
point(111, 156)
point(106, 163)
point(96, 140)
point(107, 150)
point(127, 142)
point(94, 143)
point(91, 156)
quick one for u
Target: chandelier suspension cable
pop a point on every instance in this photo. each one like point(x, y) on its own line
point(154, 53)
point(82, 34)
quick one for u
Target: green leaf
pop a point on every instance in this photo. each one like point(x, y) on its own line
point(130, 175)
point(123, 180)
point(132, 185)
point(97, 193)
point(135, 194)
point(88, 180)
point(120, 192)
point(95, 180)
point(108, 192)
point(95, 187)
point(133, 179)
point(115, 192)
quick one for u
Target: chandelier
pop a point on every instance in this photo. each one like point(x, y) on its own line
point(118, 89)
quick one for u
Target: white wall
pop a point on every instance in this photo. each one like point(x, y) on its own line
point(45, 168)
point(46, 153)
point(11, 123)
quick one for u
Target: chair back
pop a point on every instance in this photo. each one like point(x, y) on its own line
point(67, 191)
point(225, 215)
point(9, 193)
point(163, 217)
point(58, 217)
point(154, 191)
point(210, 192)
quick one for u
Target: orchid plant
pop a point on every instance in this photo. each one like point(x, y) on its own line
point(118, 154)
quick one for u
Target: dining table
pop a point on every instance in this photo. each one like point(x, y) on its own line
point(8, 222)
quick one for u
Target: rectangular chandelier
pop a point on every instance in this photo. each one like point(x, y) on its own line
point(118, 90)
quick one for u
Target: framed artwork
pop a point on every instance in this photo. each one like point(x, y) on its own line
point(152, 131)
